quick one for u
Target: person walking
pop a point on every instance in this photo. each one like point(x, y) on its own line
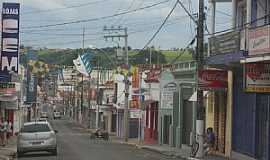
point(9, 130)
point(3, 131)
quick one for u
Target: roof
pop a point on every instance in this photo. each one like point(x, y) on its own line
point(35, 122)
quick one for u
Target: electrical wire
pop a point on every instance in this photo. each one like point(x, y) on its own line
point(161, 26)
point(64, 8)
point(97, 19)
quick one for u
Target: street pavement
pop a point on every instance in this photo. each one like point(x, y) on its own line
point(74, 144)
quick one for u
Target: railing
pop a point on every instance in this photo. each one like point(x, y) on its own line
point(185, 66)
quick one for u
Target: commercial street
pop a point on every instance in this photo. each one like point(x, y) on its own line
point(75, 144)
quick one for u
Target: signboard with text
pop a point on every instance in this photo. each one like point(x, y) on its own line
point(213, 79)
point(225, 43)
point(259, 40)
point(7, 88)
point(257, 77)
point(10, 37)
point(167, 95)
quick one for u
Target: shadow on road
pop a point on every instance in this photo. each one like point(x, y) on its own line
point(38, 154)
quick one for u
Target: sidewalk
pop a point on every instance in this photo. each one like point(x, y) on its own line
point(183, 153)
point(9, 151)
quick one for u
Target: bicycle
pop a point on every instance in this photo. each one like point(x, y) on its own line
point(194, 149)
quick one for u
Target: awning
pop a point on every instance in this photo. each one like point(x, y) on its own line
point(256, 59)
point(193, 97)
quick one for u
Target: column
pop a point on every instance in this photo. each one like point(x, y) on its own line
point(228, 139)
point(234, 13)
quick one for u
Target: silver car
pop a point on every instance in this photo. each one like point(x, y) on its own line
point(37, 136)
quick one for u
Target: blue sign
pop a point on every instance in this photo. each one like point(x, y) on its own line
point(10, 37)
point(31, 89)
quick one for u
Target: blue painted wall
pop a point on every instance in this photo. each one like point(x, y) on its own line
point(243, 131)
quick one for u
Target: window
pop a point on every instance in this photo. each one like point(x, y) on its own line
point(36, 128)
point(241, 14)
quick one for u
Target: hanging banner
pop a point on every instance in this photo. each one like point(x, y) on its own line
point(31, 90)
point(213, 79)
point(257, 77)
point(10, 37)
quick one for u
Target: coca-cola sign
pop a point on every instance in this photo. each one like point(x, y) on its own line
point(213, 79)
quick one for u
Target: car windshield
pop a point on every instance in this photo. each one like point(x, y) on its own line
point(36, 128)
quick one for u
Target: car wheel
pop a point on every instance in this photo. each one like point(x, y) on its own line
point(19, 154)
point(54, 152)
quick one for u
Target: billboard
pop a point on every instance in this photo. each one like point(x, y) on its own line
point(213, 79)
point(259, 40)
point(224, 43)
point(257, 77)
point(10, 37)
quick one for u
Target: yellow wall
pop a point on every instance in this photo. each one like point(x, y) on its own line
point(210, 109)
point(228, 141)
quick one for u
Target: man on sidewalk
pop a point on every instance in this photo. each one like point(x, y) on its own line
point(3, 131)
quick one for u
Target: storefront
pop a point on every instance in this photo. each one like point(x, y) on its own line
point(151, 122)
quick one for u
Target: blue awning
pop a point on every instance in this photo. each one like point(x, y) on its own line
point(226, 59)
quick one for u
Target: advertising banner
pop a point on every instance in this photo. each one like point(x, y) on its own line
point(257, 77)
point(7, 88)
point(259, 40)
point(31, 90)
point(213, 79)
point(10, 37)
point(225, 43)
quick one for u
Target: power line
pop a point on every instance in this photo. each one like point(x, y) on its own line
point(99, 18)
point(158, 30)
point(64, 8)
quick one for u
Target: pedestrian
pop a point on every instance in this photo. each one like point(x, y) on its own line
point(5, 124)
point(9, 129)
point(209, 140)
point(2, 132)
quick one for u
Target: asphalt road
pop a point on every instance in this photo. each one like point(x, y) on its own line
point(75, 144)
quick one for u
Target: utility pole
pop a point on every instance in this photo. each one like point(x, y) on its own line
point(124, 35)
point(200, 63)
point(97, 95)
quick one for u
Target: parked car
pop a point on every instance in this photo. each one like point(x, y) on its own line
point(36, 136)
point(56, 115)
point(44, 115)
point(42, 119)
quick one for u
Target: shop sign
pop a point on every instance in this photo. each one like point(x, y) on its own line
point(10, 37)
point(167, 95)
point(259, 40)
point(135, 113)
point(225, 43)
point(257, 77)
point(7, 88)
point(213, 79)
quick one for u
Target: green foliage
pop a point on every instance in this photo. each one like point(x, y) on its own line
point(107, 57)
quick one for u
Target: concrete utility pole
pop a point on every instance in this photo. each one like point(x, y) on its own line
point(199, 58)
point(113, 35)
point(97, 95)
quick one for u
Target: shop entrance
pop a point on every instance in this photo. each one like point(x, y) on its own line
point(261, 126)
point(166, 128)
point(220, 120)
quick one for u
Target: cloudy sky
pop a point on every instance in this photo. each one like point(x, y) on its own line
point(142, 24)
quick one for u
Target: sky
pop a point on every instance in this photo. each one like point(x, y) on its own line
point(142, 24)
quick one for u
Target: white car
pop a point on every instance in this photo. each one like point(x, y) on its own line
point(56, 115)
point(36, 136)
point(44, 115)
